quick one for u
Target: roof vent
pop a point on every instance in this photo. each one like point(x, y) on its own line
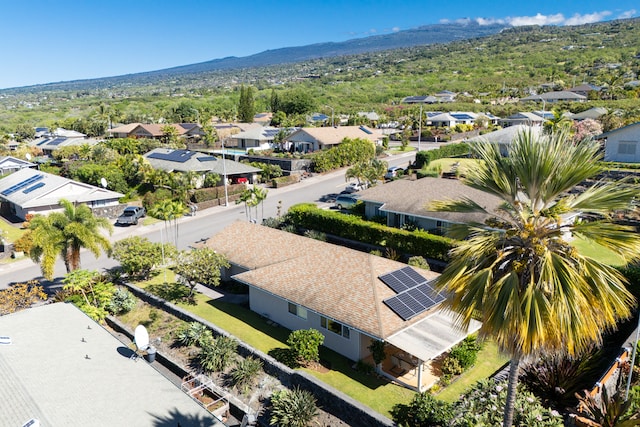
point(5, 340)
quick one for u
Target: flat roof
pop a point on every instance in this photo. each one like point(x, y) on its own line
point(64, 369)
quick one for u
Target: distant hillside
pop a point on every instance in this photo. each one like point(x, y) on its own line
point(425, 35)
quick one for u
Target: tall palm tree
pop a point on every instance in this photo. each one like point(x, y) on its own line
point(530, 287)
point(65, 233)
point(169, 210)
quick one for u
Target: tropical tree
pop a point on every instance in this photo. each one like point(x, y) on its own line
point(532, 290)
point(65, 233)
point(200, 266)
point(168, 210)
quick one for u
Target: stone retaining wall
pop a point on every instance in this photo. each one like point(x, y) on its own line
point(329, 399)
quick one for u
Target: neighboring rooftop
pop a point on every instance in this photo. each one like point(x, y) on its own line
point(64, 369)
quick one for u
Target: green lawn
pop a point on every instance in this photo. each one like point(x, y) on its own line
point(10, 232)
point(447, 163)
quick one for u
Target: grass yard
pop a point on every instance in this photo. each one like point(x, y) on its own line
point(10, 232)
point(447, 163)
point(489, 361)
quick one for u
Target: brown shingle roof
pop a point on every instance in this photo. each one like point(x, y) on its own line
point(335, 281)
point(413, 196)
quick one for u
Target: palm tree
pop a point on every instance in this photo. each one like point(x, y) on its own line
point(168, 210)
point(65, 233)
point(532, 290)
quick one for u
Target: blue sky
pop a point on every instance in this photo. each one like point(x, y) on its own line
point(44, 41)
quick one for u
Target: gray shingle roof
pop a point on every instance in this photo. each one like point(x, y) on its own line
point(197, 162)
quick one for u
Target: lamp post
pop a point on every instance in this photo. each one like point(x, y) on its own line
point(420, 128)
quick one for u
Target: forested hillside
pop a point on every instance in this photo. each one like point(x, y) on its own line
point(493, 71)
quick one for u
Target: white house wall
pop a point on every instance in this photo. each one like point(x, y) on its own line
point(623, 146)
point(277, 310)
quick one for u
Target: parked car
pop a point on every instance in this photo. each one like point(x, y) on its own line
point(354, 187)
point(393, 172)
point(346, 201)
point(131, 215)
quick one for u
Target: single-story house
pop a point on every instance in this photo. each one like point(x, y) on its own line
point(50, 144)
point(592, 113)
point(257, 138)
point(505, 136)
point(30, 191)
point(353, 298)
point(9, 164)
point(170, 160)
point(446, 96)
point(555, 96)
point(522, 118)
point(61, 368)
point(313, 139)
point(155, 131)
point(622, 145)
point(585, 89)
point(420, 99)
point(406, 202)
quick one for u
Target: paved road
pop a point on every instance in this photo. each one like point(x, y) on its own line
point(203, 225)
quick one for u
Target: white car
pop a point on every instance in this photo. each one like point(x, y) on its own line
point(354, 187)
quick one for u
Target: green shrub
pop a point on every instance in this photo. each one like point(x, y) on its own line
point(364, 367)
point(423, 158)
point(419, 262)
point(305, 343)
point(217, 354)
point(283, 181)
point(193, 333)
point(451, 367)
point(245, 372)
point(294, 408)
point(419, 242)
point(423, 411)
point(466, 353)
point(122, 301)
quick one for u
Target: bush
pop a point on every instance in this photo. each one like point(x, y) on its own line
point(305, 343)
point(295, 408)
point(423, 411)
point(217, 354)
point(451, 367)
point(423, 158)
point(419, 262)
point(245, 373)
point(194, 333)
point(466, 353)
point(309, 216)
point(122, 302)
point(283, 181)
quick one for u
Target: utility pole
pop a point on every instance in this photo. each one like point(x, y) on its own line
point(420, 127)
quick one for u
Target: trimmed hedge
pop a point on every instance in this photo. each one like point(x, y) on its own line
point(423, 158)
point(283, 181)
point(309, 216)
point(212, 193)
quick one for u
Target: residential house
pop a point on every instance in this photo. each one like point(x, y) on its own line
point(419, 99)
point(263, 118)
point(446, 96)
point(170, 160)
point(49, 142)
point(188, 131)
point(256, 138)
point(622, 145)
point(406, 202)
point(505, 136)
point(30, 191)
point(585, 89)
point(353, 298)
point(592, 113)
point(555, 96)
point(523, 118)
point(313, 139)
point(94, 381)
point(10, 164)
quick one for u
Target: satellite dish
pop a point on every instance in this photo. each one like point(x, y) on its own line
point(141, 337)
point(27, 156)
point(103, 182)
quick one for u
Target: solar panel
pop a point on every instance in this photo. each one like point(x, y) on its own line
point(57, 141)
point(179, 156)
point(21, 185)
point(270, 132)
point(44, 141)
point(414, 301)
point(365, 130)
point(207, 158)
point(33, 187)
point(403, 279)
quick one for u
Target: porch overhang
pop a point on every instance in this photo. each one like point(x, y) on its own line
point(432, 336)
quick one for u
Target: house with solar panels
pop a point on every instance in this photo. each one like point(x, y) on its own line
point(30, 191)
point(419, 99)
point(49, 142)
point(187, 131)
point(353, 298)
point(313, 139)
point(170, 160)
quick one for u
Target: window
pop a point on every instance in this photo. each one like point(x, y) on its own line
point(627, 147)
point(297, 310)
point(335, 327)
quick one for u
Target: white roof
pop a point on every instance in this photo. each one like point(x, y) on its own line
point(64, 369)
point(432, 336)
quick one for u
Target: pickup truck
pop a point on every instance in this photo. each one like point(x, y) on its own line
point(131, 215)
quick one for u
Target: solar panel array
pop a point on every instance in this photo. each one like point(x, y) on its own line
point(21, 185)
point(179, 156)
point(414, 294)
point(207, 158)
point(57, 141)
point(44, 141)
point(365, 130)
point(461, 116)
point(270, 132)
point(33, 187)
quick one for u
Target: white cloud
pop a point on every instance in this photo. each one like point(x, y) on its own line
point(489, 21)
point(539, 19)
point(627, 14)
point(587, 18)
point(444, 21)
point(462, 21)
point(395, 29)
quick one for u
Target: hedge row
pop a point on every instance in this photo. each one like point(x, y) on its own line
point(423, 158)
point(205, 194)
point(351, 227)
point(283, 181)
